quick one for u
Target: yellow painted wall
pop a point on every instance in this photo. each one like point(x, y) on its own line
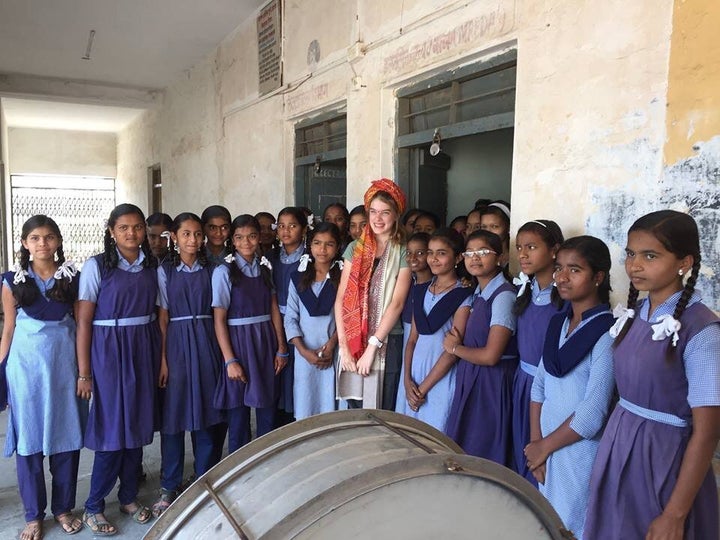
point(693, 98)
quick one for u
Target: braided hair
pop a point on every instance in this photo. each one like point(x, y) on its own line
point(236, 275)
point(678, 233)
point(110, 255)
point(27, 292)
point(551, 234)
point(597, 255)
point(308, 277)
point(174, 228)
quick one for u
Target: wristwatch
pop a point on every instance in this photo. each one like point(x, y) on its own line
point(373, 340)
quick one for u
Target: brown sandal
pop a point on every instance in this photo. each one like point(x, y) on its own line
point(99, 525)
point(33, 530)
point(70, 524)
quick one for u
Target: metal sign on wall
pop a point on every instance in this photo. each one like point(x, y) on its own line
point(269, 29)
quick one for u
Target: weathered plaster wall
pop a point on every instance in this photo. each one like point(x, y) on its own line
point(47, 151)
point(604, 129)
point(5, 221)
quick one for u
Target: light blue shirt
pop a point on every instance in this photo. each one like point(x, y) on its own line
point(221, 285)
point(89, 285)
point(701, 357)
point(44, 286)
point(502, 307)
point(541, 297)
point(162, 300)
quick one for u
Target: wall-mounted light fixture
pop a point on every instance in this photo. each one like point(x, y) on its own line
point(435, 146)
point(317, 164)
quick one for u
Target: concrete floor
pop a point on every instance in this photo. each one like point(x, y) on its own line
point(12, 519)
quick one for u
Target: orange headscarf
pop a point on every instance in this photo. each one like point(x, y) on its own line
point(355, 301)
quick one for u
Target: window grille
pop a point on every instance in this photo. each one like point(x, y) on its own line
point(80, 205)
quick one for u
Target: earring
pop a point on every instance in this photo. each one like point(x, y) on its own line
point(597, 284)
point(680, 272)
point(176, 248)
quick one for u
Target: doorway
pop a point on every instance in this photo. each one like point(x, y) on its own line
point(455, 137)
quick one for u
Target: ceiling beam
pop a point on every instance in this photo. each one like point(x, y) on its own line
point(76, 91)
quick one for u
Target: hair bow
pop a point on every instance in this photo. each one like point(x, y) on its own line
point(304, 260)
point(311, 221)
point(667, 325)
point(66, 270)
point(622, 315)
point(20, 274)
point(264, 262)
point(166, 234)
point(229, 257)
point(273, 226)
point(521, 281)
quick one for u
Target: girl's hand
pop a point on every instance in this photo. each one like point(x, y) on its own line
point(415, 397)
point(347, 362)
point(280, 363)
point(452, 340)
point(323, 357)
point(84, 389)
point(235, 372)
point(665, 527)
point(539, 473)
point(162, 379)
point(536, 454)
point(365, 362)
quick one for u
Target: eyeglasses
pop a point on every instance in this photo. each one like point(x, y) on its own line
point(418, 253)
point(216, 228)
point(478, 253)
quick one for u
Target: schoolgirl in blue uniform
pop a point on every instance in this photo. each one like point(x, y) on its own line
point(190, 361)
point(216, 226)
point(310, 322)
point(38, 352)
point(250, 333)
point(537, 244)
point(292, 224)
point(118, 347)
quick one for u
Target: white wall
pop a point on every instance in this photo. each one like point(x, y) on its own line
point(45, 151)
point(590, 118)
point(5, 220)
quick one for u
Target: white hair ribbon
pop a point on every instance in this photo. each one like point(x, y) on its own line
point(265, 262)
point(622, 315)
point(337, 263)
point(304, 260)
point(502, 207)
point(311, 221)
point(166, 234)
point(229, 257)
point(521, 281)
point(667, 325)
point(20, 274)
point(66, 270)
point(273, 226)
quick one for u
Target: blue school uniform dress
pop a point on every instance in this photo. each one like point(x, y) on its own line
point(125, 363)
point(531, 328)
point(45, 416)
point(480, 413)
point(642, 448)
point(194, 367)
point(310, 316)
point(575, 377)
point(283, 266)
point(433, 315)
point(254, 343)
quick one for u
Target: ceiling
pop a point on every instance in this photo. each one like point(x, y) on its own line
point(138, 44)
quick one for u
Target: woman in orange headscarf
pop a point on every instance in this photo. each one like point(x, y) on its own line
point(374, 284)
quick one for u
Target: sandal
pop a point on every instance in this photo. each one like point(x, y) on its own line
point(167, 496)
point(99, 525)
point(70, 524)
point(139, 513)
point(33, 530)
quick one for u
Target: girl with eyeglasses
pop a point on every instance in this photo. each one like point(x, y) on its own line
point(250, 333)
point(479, 419)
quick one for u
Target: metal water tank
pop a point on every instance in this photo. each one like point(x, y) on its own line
point(358, 474)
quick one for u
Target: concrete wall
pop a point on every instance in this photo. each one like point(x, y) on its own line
point(46, 151)
point(602, 117)
point(5, 221)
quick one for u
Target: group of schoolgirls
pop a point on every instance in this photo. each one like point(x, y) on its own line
point(525, 375)
point(188, 306)
point(613, 415)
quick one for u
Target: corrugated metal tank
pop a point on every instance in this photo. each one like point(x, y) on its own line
point(358, 474)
